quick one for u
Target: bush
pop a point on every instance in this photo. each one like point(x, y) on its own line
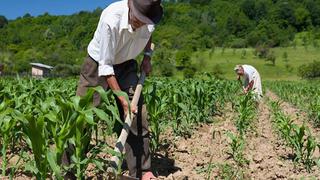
point(271, 57)
point(262, 51)
point(238, 43)
point(183, 58)
point(288, 67)
point(66, 70)
point(189, 72)
point(3, 21)
point(309, 71)
point(218, 71)
point(163, 62)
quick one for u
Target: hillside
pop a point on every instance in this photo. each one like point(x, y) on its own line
point(221, 62)
point(188, 27)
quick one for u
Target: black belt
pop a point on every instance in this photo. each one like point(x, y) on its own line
point(116, 65)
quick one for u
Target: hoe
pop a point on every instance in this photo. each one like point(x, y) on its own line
point(120, 144)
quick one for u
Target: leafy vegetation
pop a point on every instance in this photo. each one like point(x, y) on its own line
point(297, 137)
point(188, 26)
point(44, 117)
point(310, 71)
point(245, 107)
point(305, 95)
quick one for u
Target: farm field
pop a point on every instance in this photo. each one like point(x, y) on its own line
point(200, 129)
point(288, 59)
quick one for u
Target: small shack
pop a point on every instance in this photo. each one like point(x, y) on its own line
point(40, 70)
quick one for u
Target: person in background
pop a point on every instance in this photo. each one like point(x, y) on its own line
point(123, 32)
point(251, 79)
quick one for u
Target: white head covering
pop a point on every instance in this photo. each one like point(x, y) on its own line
point(237, 68)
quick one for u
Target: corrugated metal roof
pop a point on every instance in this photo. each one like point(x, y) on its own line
point(41, 65)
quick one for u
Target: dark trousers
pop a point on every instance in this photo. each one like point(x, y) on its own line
point(137, 146)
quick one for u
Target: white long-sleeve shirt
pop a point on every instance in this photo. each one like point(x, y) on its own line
point(114, 40)
point(251, 74)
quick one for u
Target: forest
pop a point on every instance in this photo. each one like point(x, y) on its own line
point(188, 26)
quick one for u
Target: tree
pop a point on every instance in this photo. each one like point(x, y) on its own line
point(3, 21)
point(27, 15)
point(248, 7)
point(313, 6)
point(286, 13)
point(186, 27)
point(310, 71)
point(303, 19)
point(183, 59)
point(271, 57)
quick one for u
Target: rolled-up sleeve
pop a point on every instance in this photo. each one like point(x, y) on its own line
point(107, 50)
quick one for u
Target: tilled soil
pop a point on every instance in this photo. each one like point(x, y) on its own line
point(264, 149)
point(297, 115)
point(208, 144)
point(199, 156)
point(268, 156)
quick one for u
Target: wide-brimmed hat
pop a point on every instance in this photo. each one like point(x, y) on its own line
point(147, 11)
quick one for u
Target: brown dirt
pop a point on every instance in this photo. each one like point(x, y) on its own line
point(298, 116)
point(268, 157)
point(190, 156)
point(263, 149)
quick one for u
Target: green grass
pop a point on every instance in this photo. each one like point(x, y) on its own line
point(230, 57)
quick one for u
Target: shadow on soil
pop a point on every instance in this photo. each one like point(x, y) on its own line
point(163, 166)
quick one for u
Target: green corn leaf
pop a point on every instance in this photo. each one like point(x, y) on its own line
point(101, 114)
point(52, 160)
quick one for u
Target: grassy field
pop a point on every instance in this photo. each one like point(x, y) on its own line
point(226, 59)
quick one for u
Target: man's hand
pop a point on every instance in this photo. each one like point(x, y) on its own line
point(146, 65)
point(125, 105)
point(114, 86)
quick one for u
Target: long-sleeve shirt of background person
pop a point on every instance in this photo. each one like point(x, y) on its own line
point(251, 74)
point(114, 40)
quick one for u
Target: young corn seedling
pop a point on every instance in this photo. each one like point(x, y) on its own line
point(237, 145)
point(156, 109)
point(314, 111)
point(299, 138)
point(311, 145)
point(303, 144)
point(7, 124)
point(35, 135)
point(246, 110)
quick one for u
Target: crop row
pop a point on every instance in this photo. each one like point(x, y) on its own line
point(297, 137)
point(305, 95)
point(39, 119)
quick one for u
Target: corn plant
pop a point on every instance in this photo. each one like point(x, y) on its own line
point(7, 125)
point(299, 138)
point(47, 117)
point(309, 149)
point(314, 110)
point(84, 125)
point(156, 108)
point(237, 145)
point(35, 134)
point(305, 95)
point(283, 123)
point(246, 110)
point(227, 171)
point(303, 144)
